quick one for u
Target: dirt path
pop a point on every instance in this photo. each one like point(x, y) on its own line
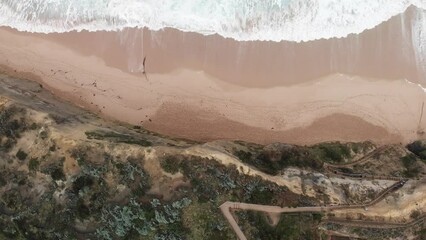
point(227, 206)
point(228, 159)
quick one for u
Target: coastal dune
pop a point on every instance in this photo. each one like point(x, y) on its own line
point(365, 86)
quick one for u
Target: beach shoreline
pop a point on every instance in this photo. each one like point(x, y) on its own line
point(191, 100)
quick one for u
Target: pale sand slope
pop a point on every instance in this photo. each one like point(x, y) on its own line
point(396, 206)
point(192, 104)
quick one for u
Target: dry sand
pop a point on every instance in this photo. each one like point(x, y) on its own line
point(210, 88)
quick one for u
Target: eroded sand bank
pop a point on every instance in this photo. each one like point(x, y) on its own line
point(212, 88)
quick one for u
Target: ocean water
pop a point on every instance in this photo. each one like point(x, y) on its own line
point(243, 20)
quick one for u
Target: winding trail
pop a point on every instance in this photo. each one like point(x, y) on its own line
point(360, 160)
point(375, 224)
point(227, 159)
point(228, 206)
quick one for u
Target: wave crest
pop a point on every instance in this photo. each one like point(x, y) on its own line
point(274, 20)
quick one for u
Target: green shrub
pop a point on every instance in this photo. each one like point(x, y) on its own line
point(79, 153)
point(57, 174)
point(136, 219)
point(410, 163)
point(118, 138)
point(243, 155)
point(421, 234)
point(12, 122)
point(334, 152)
point(418, 148)
point(33, 164)
point(415, 214)
point(81, 182)
point(317, 216)
point(3, 181)
point(170, 164)
point(272, 161)
point(21, 155)
point(289, 227)
point(52, 148)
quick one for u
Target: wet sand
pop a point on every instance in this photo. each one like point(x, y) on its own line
point(383, 52)
point(208, 87)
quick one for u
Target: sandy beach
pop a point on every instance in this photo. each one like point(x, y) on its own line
point(363, 87)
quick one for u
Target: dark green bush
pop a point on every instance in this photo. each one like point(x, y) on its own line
point(170, 164)
point(410, 163)
point(418, 148)
point(118, 137)
point(21, 155)
point(333, 152)
point(57, 174)
point(33, 164)
point(272, 161)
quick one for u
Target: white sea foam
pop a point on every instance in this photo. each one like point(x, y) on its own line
point(275, 20)
point(416, 84)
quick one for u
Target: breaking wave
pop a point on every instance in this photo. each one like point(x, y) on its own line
point(274, 20)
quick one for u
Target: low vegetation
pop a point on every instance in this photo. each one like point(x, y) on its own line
point(110, 196)
point(213, 183)
point(92, 196)
point(412, 169)
point(13, 123)
point(290, 226)
point(117, 137)
point(379, 234)
point(274, 158)
point(418, 148)
point(21, 155)
point(92, 189)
